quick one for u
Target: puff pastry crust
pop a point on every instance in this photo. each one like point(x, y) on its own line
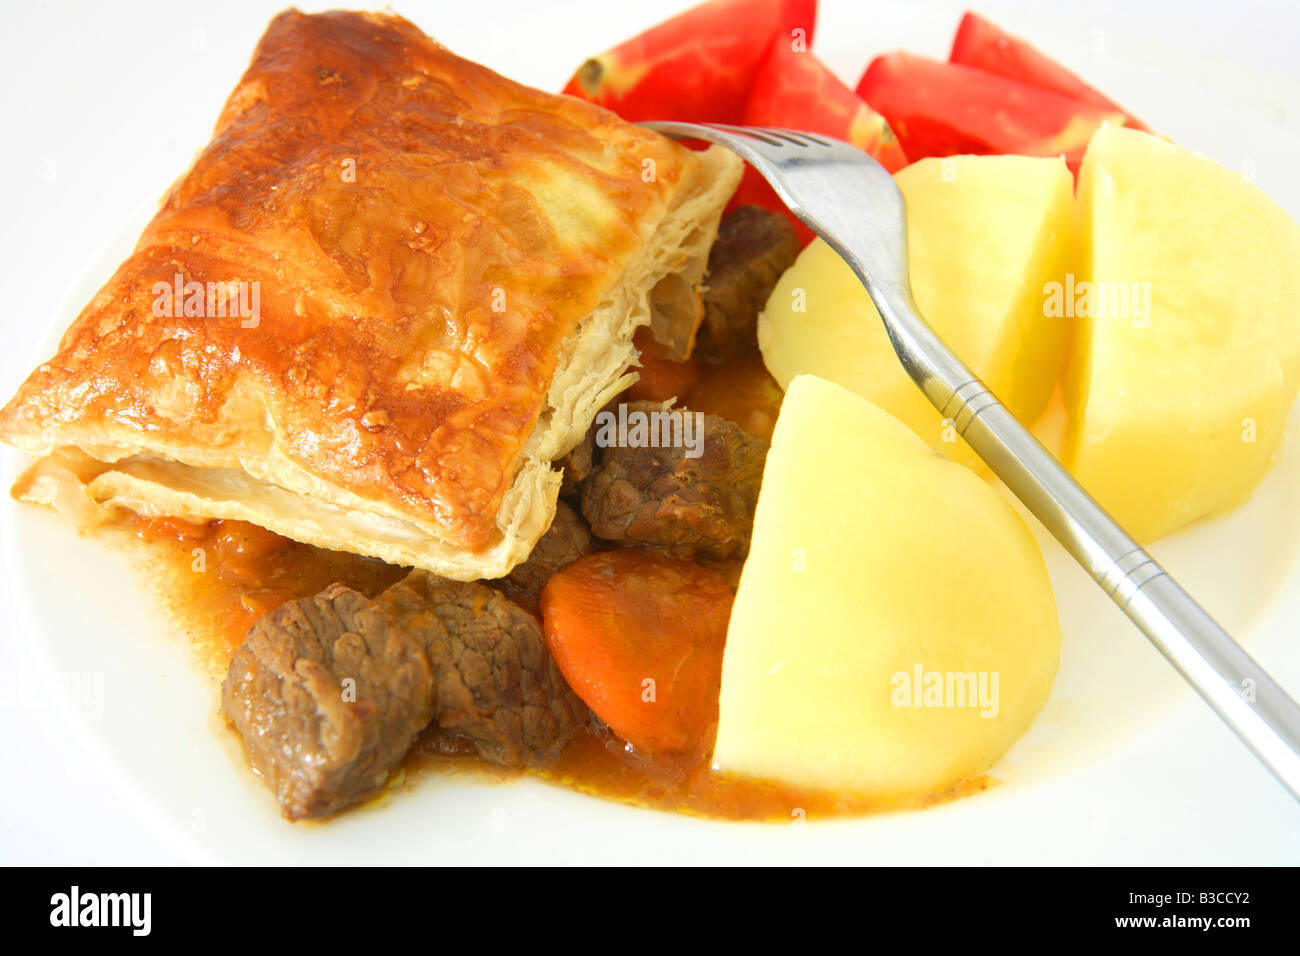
point(449, 268)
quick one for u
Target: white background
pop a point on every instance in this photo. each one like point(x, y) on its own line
point(102, 105)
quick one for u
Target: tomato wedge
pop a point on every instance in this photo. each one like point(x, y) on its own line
point(984, 46)
point(696, 67)
point(639, 636)
point(795, 90)
point(942, 109)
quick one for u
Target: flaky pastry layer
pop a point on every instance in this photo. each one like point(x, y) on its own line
point(446, 270)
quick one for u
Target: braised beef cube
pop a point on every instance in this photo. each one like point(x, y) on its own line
point(495, 682)
point(686, 500)
point(754, 246)
point(329, 692)
point(576, 466)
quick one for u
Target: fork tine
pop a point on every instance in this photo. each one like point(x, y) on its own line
point(816, 139)
point(790, 136)
point(795, 136)
point(761, 134)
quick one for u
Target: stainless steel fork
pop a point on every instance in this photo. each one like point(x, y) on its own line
point(850, 200)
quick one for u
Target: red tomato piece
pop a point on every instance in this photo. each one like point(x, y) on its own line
point(696, 67)
point(942, 109)
point(983, 46)
point(795, 90)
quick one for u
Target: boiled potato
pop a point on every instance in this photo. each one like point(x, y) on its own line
point(1187, 351)
point(883, 583)
point(986, 234)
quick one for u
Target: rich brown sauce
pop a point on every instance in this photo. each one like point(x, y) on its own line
point(219, 578)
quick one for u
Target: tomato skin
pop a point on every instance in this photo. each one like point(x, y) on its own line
point(984, 46)
point(695, 67)
point(795, 90)
point(943, 109)
point(639, 637)
point(792, 89)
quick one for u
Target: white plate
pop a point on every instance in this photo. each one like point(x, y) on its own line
point(1124, 765)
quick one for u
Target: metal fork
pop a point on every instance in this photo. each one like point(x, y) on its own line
point(851, 201)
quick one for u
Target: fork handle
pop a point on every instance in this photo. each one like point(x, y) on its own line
point(1240, 691)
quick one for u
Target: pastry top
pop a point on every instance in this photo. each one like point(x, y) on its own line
point(404, 242)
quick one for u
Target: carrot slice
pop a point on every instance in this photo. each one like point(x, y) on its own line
point(661, 378)
point(639, 637)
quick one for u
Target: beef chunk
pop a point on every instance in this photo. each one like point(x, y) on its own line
point(754, 246)
point(567, 539)
point(494, 680)
point(663, 497)
point(322, 743)
point(329, 692)
point(576, 466)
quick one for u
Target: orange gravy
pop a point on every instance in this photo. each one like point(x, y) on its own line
point(739, 390)
point(219, 578)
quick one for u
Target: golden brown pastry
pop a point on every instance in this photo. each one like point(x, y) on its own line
point(392, 289)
